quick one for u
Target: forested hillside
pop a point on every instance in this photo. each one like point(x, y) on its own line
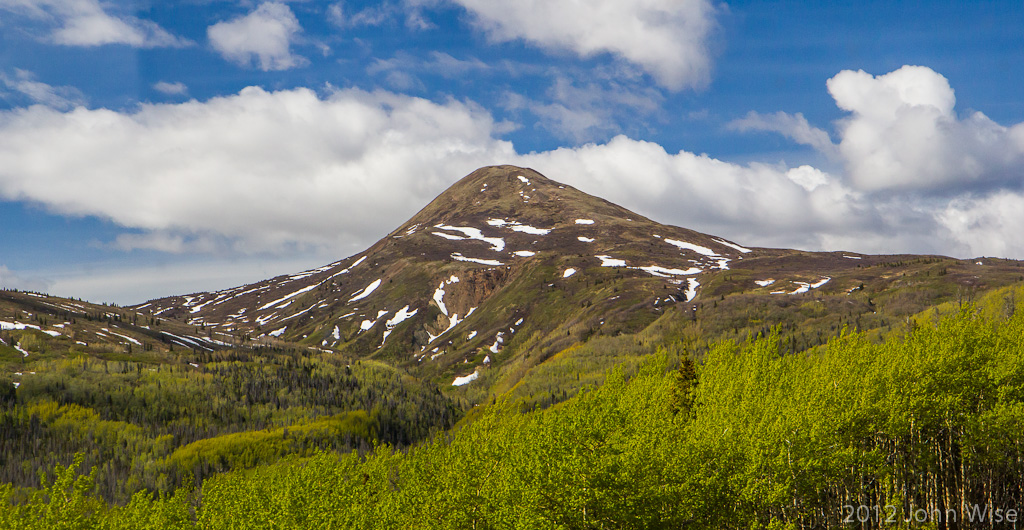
point(924, 427)
point(150, 425)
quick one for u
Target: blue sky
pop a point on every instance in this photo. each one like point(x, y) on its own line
point(157, 148)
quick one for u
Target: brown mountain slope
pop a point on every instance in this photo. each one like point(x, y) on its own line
point(507, 268)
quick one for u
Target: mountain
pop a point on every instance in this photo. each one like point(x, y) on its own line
point(36, 326)
point(508, 270)
point(513, 286)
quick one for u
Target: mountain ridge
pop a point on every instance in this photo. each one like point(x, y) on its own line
point(507, 268)
point(512, 282)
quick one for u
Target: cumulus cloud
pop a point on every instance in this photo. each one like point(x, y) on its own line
point(25, 83)
point(253, 172)
point(88, 23)
point(295, 172)
point(986, 226)
point(262, 38)
point(171, 89)
point(903, 134)
point(958, 180)
point(757, 202)
point(276, 171)
point(667, 38)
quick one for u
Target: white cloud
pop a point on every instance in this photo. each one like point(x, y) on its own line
point(930, 173)
point(293, 171)
point(397, 72)
point(296, 173)
point(435, 63)
point(807, 177)
point(579, 105)
point(25, 83)
point(253, 172)
point(986, 226)
point(370, 16)
point(759, 204)
point(263, 37)
point(452, 67)
point(279, 171)
point(792, 126)
point(902, 134)
point(584, 111)
point(87, 23)
point(381, 13)
point(667, 38)
point(171, 89)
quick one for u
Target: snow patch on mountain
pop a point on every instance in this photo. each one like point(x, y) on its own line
point(125, 337)
point(662, 271)
point(459, 257)
point(286, 297)
point(690, 246)
point(345, 270)
point(733, 245)
point(400, 316)
point(465, 380)
point(691, 288)
point(516, 226)
point(805, 286)
point(367, 324)
point(498, 340)
point(608, 261)
point(439, 293)
point(359, 295)
point(497, 243)
point(527, 229)
point(16, 326)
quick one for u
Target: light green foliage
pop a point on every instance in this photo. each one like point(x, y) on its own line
point(61, 503)
point(152, 426)
point(750, 438)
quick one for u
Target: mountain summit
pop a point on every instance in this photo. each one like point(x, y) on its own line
point(510, 191)
point(507, 212)
point(502, 251)
point(508, 268)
